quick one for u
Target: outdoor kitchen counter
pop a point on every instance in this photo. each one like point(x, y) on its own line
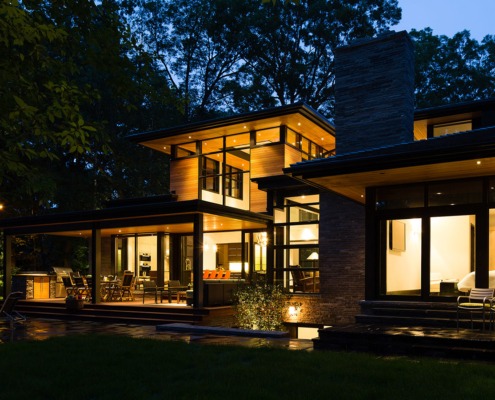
point(218, 292)
point(35, 284)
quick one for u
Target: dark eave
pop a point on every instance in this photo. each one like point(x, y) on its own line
point(461, 146)
point(454, 109)
point(128, 215)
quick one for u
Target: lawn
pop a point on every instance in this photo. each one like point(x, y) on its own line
point(118, 367)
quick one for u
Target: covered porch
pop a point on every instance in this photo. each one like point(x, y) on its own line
point(156, 239)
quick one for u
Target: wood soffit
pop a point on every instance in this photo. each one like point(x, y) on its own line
point(460, 156)
point(299, 118)
point(126, 222)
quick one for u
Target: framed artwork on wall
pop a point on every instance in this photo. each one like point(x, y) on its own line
point(397, 236)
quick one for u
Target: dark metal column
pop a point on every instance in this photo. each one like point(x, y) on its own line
point(7, 265)
point(160, 258)
point(96, 265)
point(270, 253)
point(198, 261)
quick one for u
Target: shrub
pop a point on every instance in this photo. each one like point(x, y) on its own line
point(260, 306)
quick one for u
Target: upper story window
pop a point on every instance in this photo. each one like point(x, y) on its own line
point(233, 182)
point(185, 150)
point(267, 136)
point(308, 148)
point(210, 175)
point(451, 127)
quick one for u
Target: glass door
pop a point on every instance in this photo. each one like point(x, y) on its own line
point(401, 257)
point(452, 254)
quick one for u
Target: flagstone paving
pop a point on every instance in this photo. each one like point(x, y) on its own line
point(41, 329)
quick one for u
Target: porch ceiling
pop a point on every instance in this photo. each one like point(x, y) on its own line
point(211, 223)
point(353, 185)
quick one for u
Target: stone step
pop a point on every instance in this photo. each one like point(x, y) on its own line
point(115, 314)
point(413, 340)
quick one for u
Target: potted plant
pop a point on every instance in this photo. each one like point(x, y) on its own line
point(74, 303)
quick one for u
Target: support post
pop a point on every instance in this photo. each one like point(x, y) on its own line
point(96, 265)
point(198, 261)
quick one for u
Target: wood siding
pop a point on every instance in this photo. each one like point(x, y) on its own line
point(258, 199)
point(184, 178)
point(292, 156)
point(267, 161)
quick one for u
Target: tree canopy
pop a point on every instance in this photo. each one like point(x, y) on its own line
point(452, 70)
point(78, 76)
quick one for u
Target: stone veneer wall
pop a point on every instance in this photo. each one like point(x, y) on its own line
point(341, 259)
point(374, 93)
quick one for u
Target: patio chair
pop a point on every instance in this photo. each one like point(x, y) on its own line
point(8, 308)
point(81, 288)
point(125, 289)
point(174, 288)
point(150, 287)
point(68, 285)
point(478, 300)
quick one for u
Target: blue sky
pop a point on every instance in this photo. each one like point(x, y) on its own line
point(447, 17)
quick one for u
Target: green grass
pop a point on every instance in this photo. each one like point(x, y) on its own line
point(119, 367)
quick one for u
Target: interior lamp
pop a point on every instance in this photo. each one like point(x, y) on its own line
point(313, 257)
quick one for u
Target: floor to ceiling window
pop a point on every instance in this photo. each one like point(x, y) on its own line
point(402, 250)
point(296, 244)
point(432, 238)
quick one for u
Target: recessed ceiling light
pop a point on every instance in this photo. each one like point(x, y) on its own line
point(478, 162)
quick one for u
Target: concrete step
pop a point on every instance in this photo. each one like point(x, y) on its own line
point(413, 340)
point(115, 314)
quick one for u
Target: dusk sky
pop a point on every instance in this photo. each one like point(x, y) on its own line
point(447, 17)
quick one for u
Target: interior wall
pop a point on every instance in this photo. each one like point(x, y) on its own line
point(451, 246)
point(210, 243)
point(404, 267)
point(450, 252)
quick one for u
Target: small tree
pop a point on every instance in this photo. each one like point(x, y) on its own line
point(260, 306)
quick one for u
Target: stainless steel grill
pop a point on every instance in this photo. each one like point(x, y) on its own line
point(59, 284)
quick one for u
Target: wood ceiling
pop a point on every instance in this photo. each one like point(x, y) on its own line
point(211, 223)
point(294, 121)
point(354, 185)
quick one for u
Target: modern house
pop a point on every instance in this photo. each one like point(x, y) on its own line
point(388, 204)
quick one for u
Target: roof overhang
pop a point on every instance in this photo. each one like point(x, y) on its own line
point(458, 156)
point(298, 117)
point(169, 217)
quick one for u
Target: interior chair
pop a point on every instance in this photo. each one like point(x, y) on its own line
point(8, 308)
point(303, 283)
point(207, 274)
point(69, 286)
point(226, 274)
point(478, 300)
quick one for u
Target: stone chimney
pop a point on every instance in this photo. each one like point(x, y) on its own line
point(374, 93)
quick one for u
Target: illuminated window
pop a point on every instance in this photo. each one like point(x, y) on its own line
point(233, 182)
point(452, 127)
point(210, 175)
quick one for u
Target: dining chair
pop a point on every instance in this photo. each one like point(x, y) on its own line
point(478, 300)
